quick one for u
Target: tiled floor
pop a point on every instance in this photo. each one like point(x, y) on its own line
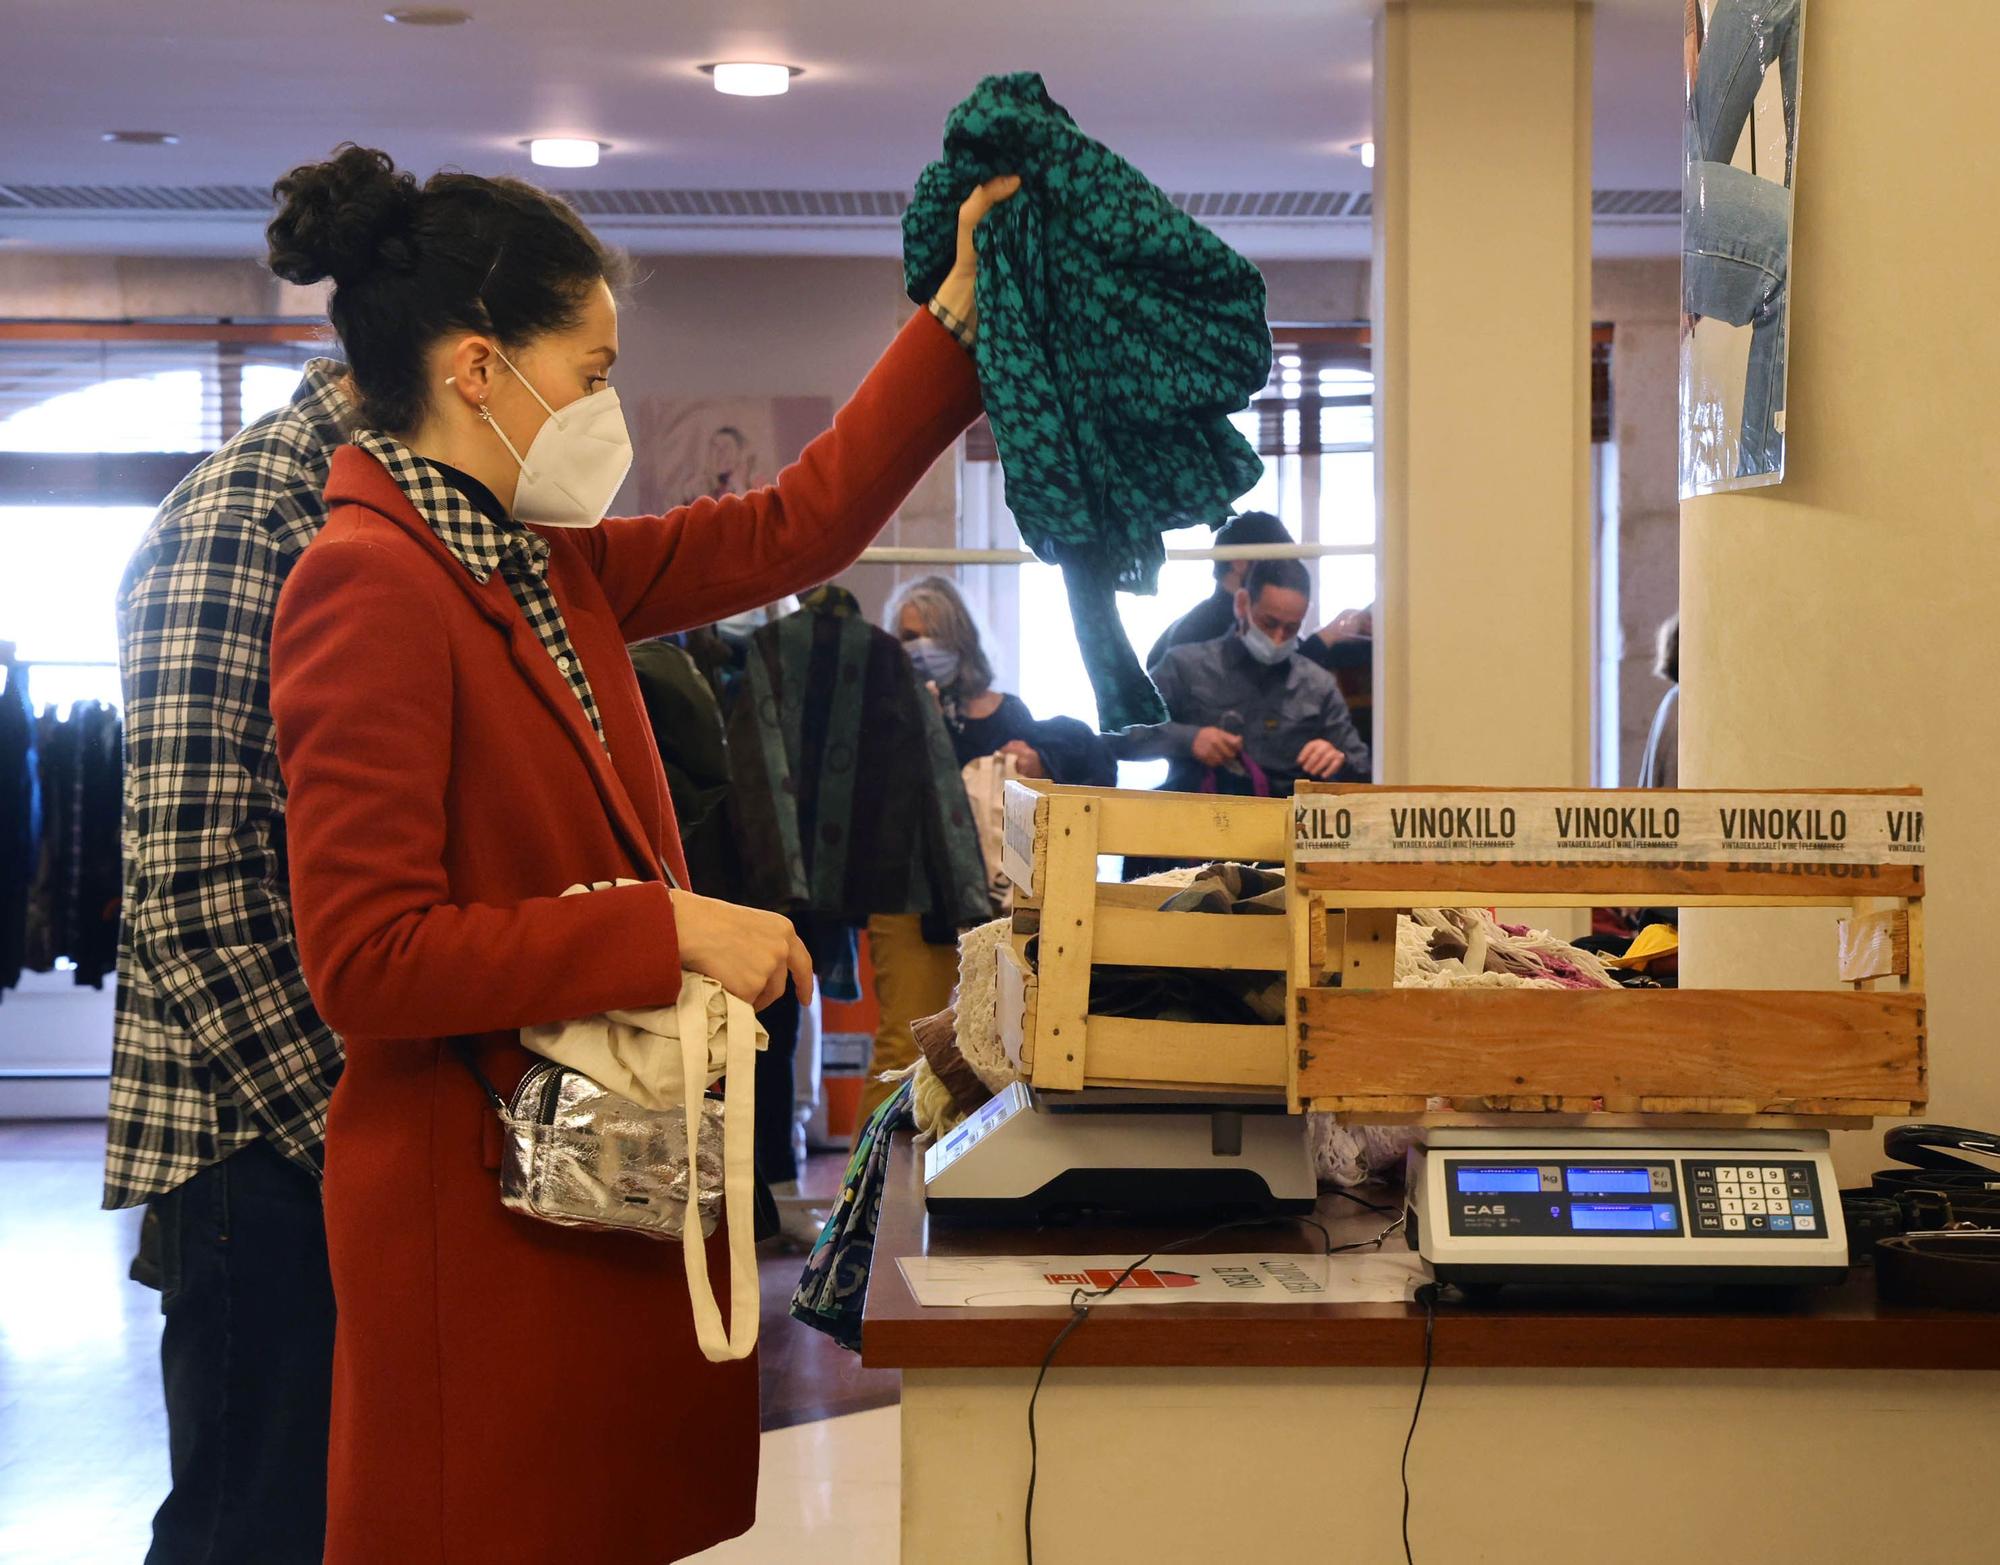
point(83, 1438)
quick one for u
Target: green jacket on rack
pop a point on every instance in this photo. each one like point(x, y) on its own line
point(1116, 336)
point(848, 799)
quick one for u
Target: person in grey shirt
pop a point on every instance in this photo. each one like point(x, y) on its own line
point(1245, 712)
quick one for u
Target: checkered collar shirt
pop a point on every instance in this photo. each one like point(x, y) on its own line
point(483, 546)
point(216, 1042)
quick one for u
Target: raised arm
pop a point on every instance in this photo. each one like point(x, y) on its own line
point(720, 557)
point(714, 558)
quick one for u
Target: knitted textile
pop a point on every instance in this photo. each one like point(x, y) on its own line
point(1116, 335)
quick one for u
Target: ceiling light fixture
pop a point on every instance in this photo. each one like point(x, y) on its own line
point(565, 151)
point(142, 138)
point(429, 16)
point(743, 79)
point(1365, 150)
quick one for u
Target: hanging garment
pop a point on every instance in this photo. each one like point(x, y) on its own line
point(1116, 335)
point(834, 1289)
point(50, 889)
point(21, 820)
point(97, 875)
point(848, 800)
point(686, 720)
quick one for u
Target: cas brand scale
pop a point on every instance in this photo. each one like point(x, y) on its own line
point(1491, 1207)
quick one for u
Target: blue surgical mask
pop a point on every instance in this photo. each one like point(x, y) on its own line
point(935, 661)
point(1264, 649)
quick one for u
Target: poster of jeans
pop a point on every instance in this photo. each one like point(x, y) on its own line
point(1741, 59)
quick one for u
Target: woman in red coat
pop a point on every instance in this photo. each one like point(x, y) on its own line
point(463, 739)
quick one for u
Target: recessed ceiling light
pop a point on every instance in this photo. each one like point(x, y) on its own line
point(142, 138)
point(429, 16)
point(565, 151)
point(742, 79)
point(1365, 150)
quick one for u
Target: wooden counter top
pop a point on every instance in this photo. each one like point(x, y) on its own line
point(1825, 1328)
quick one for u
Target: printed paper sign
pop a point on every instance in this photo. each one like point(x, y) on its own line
point(1657, 827)
point(1015, 1281)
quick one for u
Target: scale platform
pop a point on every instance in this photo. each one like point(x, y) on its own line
point(1629, 1207)
point(1028, 1157)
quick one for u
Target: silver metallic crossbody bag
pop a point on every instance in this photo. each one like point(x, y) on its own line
point(575, 1154)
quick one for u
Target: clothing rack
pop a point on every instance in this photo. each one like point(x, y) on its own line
point(895, 555)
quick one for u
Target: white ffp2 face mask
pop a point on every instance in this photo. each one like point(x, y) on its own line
point(576, 462)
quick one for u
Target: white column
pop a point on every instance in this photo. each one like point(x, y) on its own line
point(1482, 320)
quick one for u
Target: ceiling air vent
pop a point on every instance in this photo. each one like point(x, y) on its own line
point(247, 200)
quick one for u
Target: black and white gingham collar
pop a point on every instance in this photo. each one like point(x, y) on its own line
point(474, 540)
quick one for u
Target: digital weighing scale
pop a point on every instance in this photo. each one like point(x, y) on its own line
point(1755, 1207)
point(1028, 1157)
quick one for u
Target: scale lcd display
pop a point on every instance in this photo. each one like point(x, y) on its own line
point(1498, 1181)
point(1609, 1181)
point(1604, 1217)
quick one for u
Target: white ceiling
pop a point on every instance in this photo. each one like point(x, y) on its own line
point(1205, 95)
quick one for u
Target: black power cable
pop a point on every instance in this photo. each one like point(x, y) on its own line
point(1081, 1300)
point(1427, 1296)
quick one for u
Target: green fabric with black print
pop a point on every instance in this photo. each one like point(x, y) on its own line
point(1116, 336)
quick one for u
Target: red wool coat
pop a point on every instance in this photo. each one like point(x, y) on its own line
point(507, 1392)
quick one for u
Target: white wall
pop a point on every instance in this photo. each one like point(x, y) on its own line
point(1840, 629)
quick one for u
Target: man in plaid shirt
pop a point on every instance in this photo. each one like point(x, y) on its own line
point(222, 1068)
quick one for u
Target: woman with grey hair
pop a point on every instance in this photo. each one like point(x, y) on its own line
point(914, 976)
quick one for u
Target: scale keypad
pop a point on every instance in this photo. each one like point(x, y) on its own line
point(1778, 1199)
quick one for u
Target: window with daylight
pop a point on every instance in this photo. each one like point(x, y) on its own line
point(1314, 426)
point(97, 425)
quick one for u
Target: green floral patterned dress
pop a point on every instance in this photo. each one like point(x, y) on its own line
point(1116, 335)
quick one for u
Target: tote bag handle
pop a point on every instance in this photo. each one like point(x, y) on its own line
point(739, 1058)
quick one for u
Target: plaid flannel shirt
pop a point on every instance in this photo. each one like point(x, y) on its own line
point(217, 1043)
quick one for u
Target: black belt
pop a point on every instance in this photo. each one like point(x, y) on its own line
point(1957, 1270)
point(1941, 1189)
point(1933, 1225)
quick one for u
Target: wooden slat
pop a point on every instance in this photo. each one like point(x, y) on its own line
point(1369, 1111)
point(1368, 956)
point(1069, 910)
point(1307, 918)
point(1127, 937)
point(1768, 1050)
point(1588, 885)
point(1181, 825)
point(1874, 945)
point(1026, 839)
point(1017, 1011)
point(1128, 1050)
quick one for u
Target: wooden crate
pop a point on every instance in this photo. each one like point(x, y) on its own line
point(1054, 837)
point(1366, 1050)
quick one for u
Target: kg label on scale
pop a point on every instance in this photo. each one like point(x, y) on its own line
point(1411, 826)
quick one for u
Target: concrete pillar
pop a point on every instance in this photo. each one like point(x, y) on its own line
point(1482, 317)
point(1843, 628)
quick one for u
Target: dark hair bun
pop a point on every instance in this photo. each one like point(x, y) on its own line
point(343, 219)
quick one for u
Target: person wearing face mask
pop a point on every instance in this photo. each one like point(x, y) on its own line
point(463, 740)
point(1246, 715)
point(915, 973)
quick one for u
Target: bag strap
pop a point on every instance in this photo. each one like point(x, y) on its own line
point(739, 1059)
point(469, 1058)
